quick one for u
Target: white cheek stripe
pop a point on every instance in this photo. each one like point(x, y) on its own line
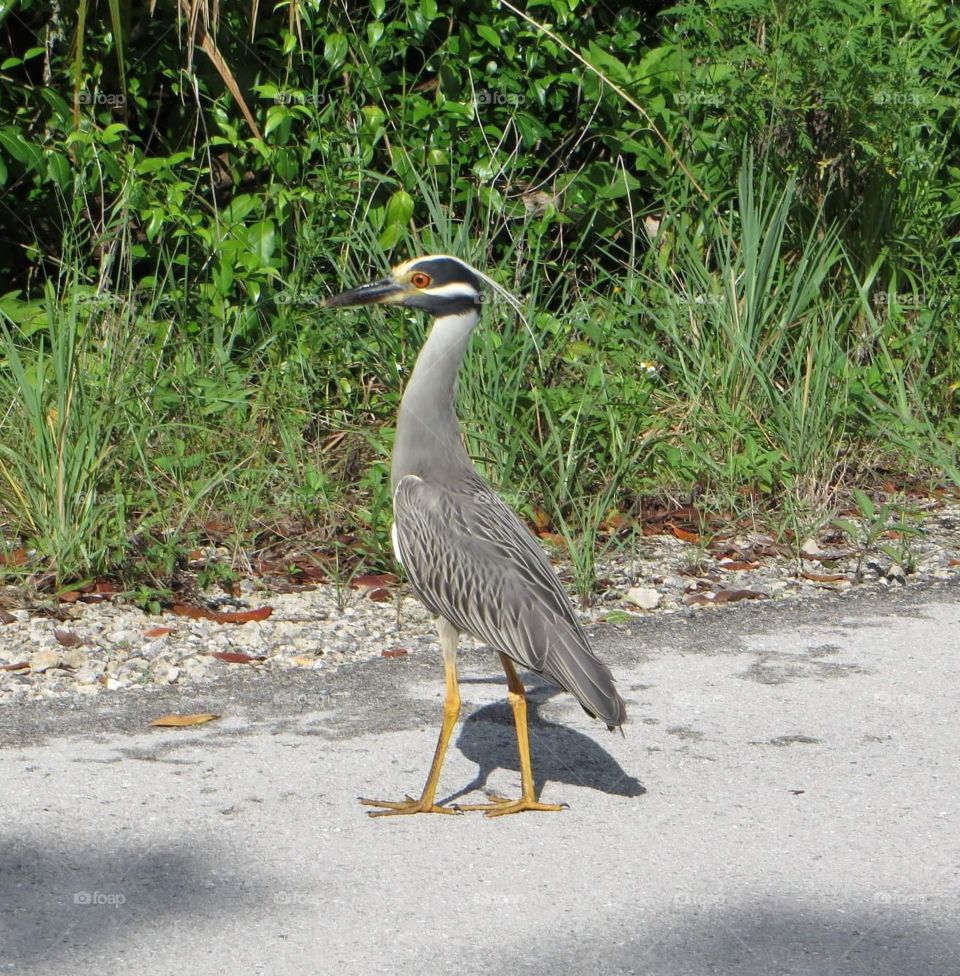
point(456, 289)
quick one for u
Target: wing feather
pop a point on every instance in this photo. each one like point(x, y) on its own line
point(472, 561)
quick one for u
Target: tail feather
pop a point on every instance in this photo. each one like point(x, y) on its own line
point(571, 664)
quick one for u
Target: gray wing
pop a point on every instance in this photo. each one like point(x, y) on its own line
point(471, 560)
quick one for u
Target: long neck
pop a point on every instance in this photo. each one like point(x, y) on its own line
point(428, 441)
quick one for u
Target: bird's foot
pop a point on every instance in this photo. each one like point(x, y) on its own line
point(396, 808)
point(500, 806)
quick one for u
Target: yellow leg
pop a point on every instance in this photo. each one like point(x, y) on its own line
point(517, 696)
point(449, 638)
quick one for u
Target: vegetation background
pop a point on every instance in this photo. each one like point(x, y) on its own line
point(732, 225)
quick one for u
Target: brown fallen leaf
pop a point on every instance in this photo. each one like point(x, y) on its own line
point(553, 539)
point(158, 631)
point(684, 535)
point(6, 617)
point(614, 521)
point(698, 600)
point(66, 638)
point(825, 577)
point(182, 721)
point(731, 596)
point(310, 569)
point(735, 566)
point(15, 557)
point(70, 596)
point(194, 613)
point(381, 595)
point(241, 616)
point(237, 657)
point(394, 652)
point(540, 518)
point(221, 616)
point(18, 666)
point(374, 581)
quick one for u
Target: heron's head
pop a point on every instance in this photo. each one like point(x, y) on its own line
point(438, 284)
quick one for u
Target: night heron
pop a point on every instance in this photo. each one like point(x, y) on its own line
point(469, 558)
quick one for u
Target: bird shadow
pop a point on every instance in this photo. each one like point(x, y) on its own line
point(560, 754)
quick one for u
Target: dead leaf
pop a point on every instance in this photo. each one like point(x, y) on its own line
point(182, 721)
point(825, 577)
point(70, 596)
point(553, 539)
point(15, 557)
point(381, 596)
point(540, 518)
point(374, 581)
point(158, 631)
point(684, 535)
point(698, 599)
point(19, 666)
point(6, 617)
point(736, 566)
point(221, 616)
point(66, 638)
point(614, 521)
point(394, 652)
point(237, 657)
point(241, 616)
point(732, 596)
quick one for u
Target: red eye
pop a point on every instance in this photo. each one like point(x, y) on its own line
point(420, 280)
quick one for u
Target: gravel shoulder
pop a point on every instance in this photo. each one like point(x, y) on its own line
point(784, 801)
point(72, 651)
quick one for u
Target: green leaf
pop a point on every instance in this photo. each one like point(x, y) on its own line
point(16, 146)
point(262, 238)
point(335, 50)
point(399, 208)
point(489, 35)
point(58, 166)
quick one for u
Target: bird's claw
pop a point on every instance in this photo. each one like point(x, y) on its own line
point(501, 806)
point(408, 805)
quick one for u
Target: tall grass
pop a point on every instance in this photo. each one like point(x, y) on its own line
point(60, 483)
point(754, 340)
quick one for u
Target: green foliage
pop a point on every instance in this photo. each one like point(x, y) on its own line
point(58, 478)
point(173, 221)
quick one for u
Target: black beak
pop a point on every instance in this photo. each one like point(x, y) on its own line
point(376, 293)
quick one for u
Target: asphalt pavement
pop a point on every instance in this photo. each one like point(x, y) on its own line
point(784, 800)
